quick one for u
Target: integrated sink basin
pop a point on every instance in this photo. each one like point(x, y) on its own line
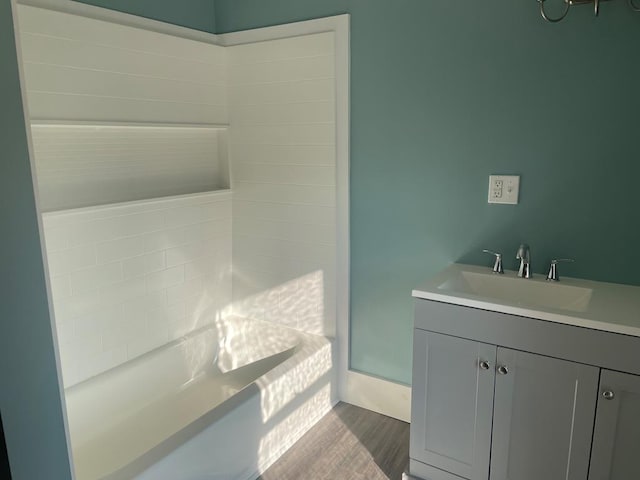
point(609, 307)
point(511, 289)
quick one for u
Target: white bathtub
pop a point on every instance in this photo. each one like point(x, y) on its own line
point(223, 403)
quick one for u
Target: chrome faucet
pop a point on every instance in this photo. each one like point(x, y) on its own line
point(524, 255)
point(497, 266)
point(553, 269)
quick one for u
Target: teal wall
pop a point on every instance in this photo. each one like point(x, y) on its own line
point(29, 394)
point(196, 14)
point(444, 93)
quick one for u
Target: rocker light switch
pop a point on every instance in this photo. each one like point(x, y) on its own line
point(504, 189)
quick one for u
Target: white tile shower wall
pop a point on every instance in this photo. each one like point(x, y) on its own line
point(78, 68)
point(283, 170)
point(130, 277)
point(113, 110)
point(83, 165)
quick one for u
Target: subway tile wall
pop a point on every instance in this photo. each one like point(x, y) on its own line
point(283, 171)
point(128, 278)
point(121, 113)
point(78, 68)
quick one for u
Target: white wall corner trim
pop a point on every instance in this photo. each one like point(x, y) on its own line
point(338, 24)
point(382, 396)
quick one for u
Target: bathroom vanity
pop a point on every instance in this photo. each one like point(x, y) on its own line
point(523, 379)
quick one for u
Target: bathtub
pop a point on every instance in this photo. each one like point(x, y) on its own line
point(222, 403)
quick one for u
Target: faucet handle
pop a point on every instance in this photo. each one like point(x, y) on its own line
point(553, 269)
point(524, 255)
point(497, 266)
point(524, 252)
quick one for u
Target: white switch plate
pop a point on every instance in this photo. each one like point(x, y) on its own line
point(504, 189)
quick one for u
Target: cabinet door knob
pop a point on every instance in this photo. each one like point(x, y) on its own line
point(503, 370)
point(484, 365)
point(608, 395)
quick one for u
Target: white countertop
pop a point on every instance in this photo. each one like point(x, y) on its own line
point(612, 307)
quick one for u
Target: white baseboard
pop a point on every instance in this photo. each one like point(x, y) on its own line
point(381, 396)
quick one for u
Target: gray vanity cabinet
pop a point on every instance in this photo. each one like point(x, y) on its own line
point(616, 439)
point(482, 412)
point(452, 404)
point(543, 417)
point(499, 394)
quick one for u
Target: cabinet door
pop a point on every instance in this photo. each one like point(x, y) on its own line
point(452, 401)
point(543, 417)
point(616, 440)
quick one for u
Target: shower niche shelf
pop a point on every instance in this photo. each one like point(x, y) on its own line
point(84, 163)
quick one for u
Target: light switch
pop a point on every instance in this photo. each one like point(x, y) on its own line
point(504, 189)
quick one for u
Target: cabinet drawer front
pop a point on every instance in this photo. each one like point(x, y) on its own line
point(543, 417)
point(452, 402)
point(616, 440)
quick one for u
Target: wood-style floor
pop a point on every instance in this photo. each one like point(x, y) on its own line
point(349, 443)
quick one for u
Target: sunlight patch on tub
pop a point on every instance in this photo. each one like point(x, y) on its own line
point(243, 341)
point(248, 330)
point(288, 431)
point(288, 382)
